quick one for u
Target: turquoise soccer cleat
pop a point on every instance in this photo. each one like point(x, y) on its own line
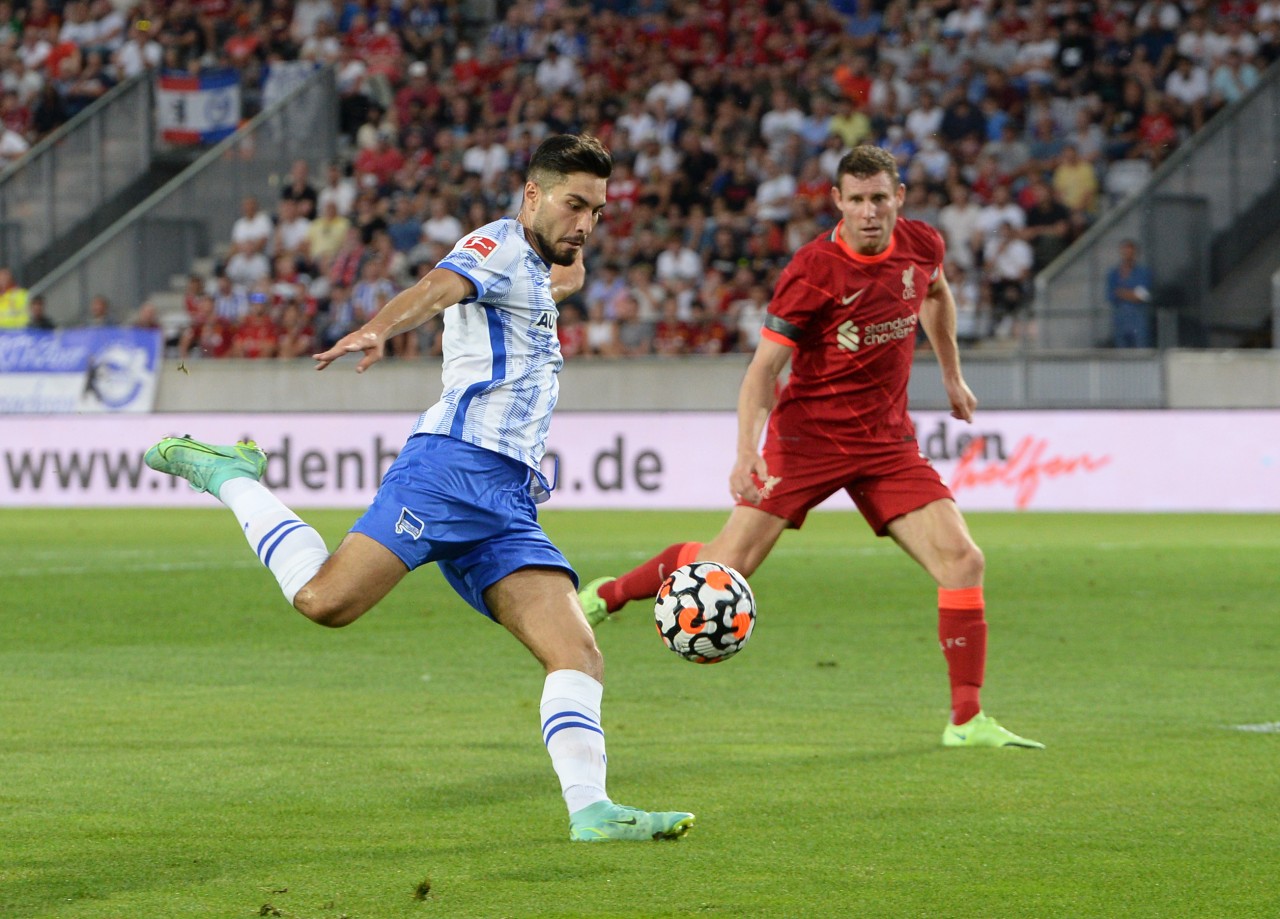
point(592, 603)
point(207, 466)
point(983, 731)
point(605, 821)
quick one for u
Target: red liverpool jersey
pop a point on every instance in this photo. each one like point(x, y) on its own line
point(852, 321)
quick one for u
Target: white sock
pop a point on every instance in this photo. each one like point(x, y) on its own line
point(291, 549)
point(571, 730)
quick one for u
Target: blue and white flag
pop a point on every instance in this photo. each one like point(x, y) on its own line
point(199, 108)
point(79, 370)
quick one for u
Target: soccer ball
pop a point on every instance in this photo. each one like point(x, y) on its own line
point(705, 612)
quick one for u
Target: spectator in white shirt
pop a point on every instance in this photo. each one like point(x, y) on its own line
point(890, 94)
point(557, 72)
point(677, 262)
point(636, 124)
point(655, 161)
point(925, 118)
point(961, 224)
point(78, 28)
point(253, 228)
point(441, 226)
point(247, 265)
point(110, 26)
point(672, 91)
point(970, 17)
point(1187, 86)
point(1000, 210)
point(783, 121)
point(139, 53)
point(323, 45)
point(833, 152)
point(339, 189)
point(1007, 260)
point(34, 49)
point(1236, 38)
point(292, 230)
point(934, 159)
point(306, 14)
point(1034, 61)
point(775, 193)
point(487, 156)
point(13, 146)
point(1201, 43)
point(1166, 16)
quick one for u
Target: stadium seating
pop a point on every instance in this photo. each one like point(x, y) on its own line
point(723, 117)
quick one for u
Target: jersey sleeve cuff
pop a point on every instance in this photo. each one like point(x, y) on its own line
point(776, 337)
point(456, 269)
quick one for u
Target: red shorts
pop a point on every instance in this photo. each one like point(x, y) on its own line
point(884, 480)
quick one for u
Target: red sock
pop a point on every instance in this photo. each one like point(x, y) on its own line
point(643, 581)
point(962, 632)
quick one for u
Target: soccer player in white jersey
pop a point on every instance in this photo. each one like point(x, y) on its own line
point(462, 492)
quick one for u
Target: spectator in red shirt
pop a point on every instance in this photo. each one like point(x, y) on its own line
point(207, 336)
point(854, 80)
point(40, 16)
point(297, 337)
point(13, 114)
point(417, 89)
point(571, 330)
point(257, 335)
point(383, 53)
point(382, 161)
point(193, 296)
point(1157, 132)
point(671, 334)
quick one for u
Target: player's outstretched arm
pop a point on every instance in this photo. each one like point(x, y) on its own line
point(755, 401)
point(438, 289)
point(938, 316)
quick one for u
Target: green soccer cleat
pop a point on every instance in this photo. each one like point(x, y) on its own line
point(982, 731)
point(207, 466)
point(592, 603)
point(605, 821)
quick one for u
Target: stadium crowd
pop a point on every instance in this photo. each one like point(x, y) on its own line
point(1015, 125)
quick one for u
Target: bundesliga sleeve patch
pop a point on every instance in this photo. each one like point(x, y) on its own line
point(482, 246)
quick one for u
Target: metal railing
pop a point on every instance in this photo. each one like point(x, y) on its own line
point(1204, 188)
point(76, 169)
point(159, 238)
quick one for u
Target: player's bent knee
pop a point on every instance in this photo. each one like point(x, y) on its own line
point(581, 654)
point(968, 565)
point(325, 611)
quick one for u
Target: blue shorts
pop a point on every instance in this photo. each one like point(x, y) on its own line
point(465, 508)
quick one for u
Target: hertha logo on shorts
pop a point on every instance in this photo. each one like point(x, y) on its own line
point(410, 523)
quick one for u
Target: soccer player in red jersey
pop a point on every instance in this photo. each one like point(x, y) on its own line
point(844, 313)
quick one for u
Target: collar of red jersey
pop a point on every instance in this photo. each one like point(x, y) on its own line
point(838, 239)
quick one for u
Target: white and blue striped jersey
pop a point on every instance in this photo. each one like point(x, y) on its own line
point(501, 353)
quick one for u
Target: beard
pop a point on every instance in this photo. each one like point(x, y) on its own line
point(556, 253)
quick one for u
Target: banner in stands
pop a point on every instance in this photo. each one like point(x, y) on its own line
point(283, 77)
point(1005, 461)
point(201, 108)
point(77, 370)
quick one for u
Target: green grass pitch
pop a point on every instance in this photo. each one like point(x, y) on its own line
point(176, 742)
